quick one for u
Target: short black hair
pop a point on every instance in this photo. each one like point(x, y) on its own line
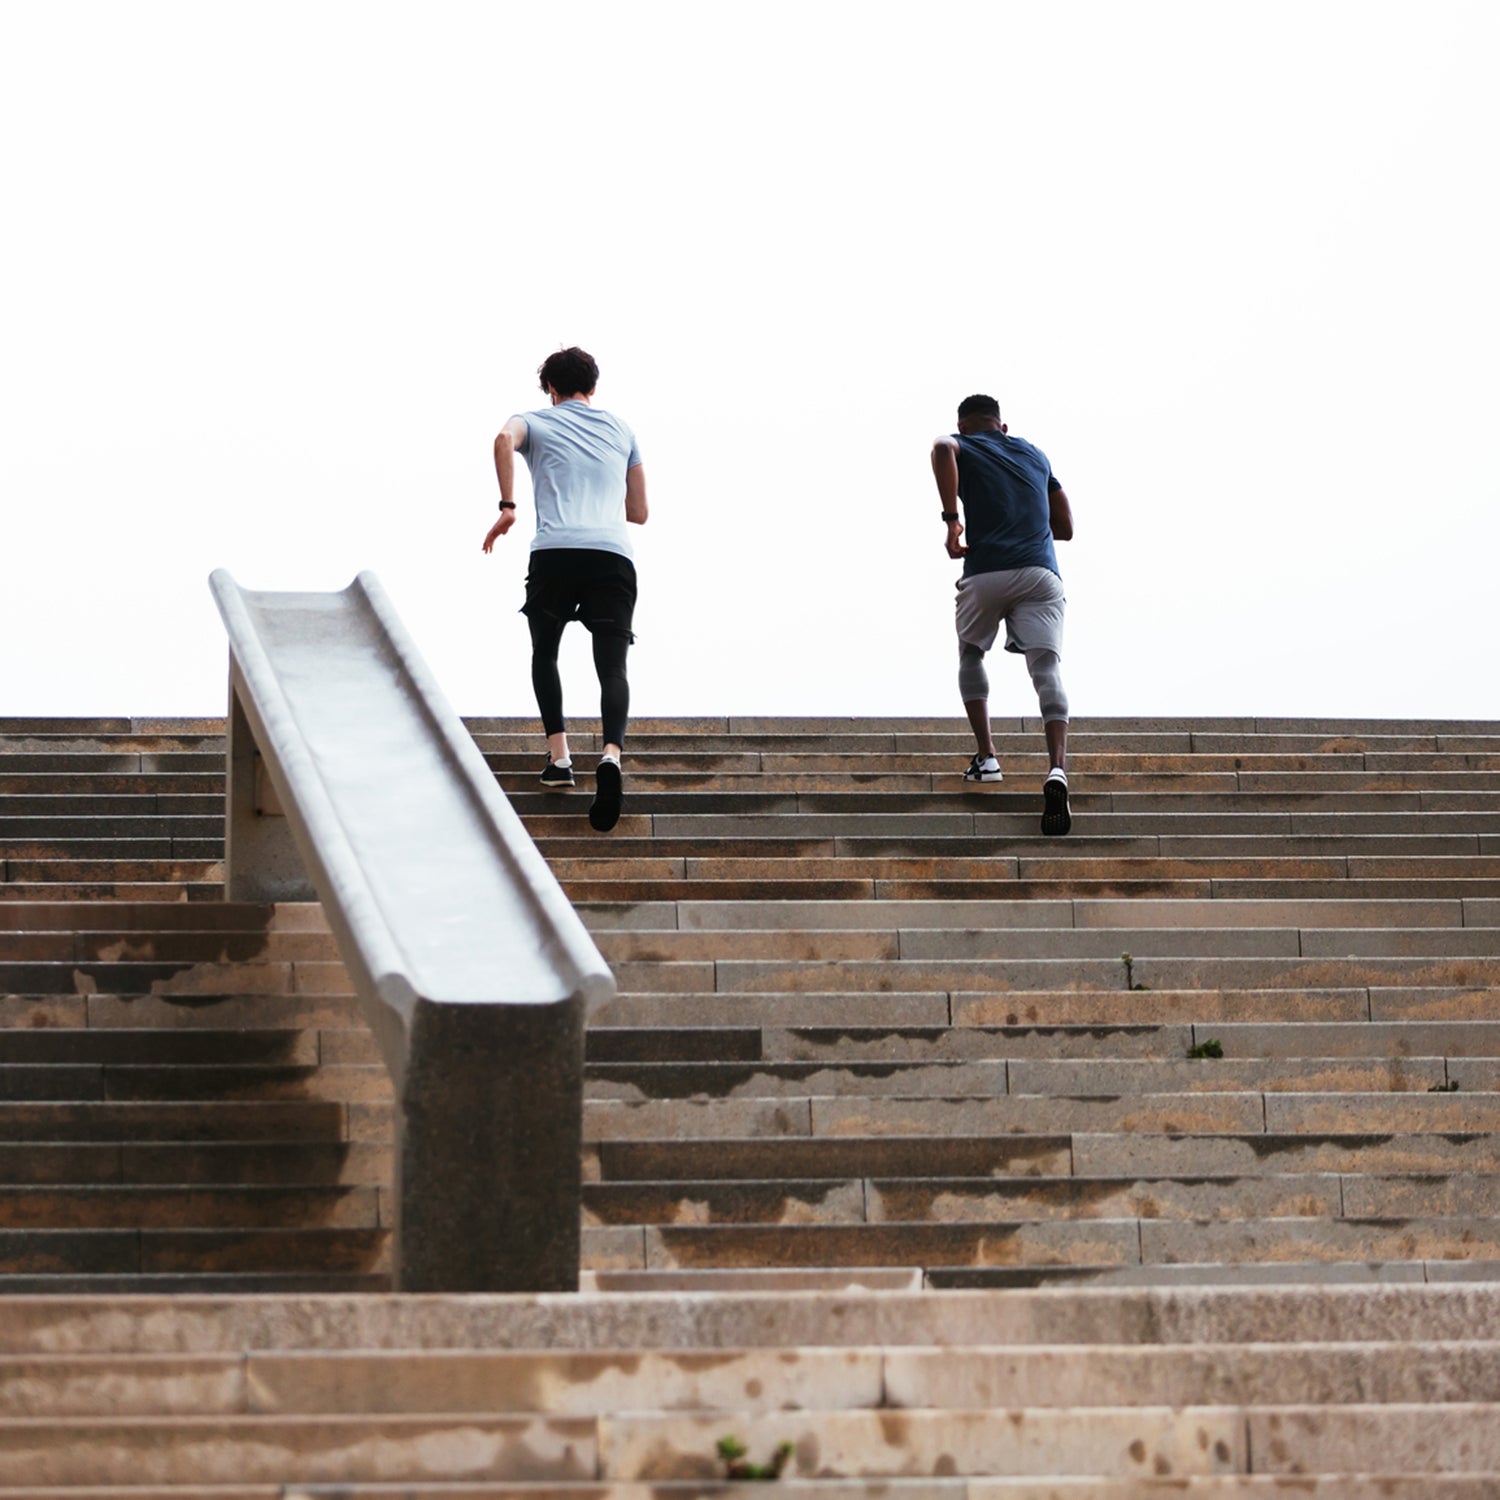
point(571, 372)
point(978, 406)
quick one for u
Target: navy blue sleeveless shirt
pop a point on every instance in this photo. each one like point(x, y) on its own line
point(1003, 483)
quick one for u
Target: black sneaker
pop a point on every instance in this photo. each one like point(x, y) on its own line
point(983, 768)
point(609, 796)
point(558, 778)
point(1056, 819)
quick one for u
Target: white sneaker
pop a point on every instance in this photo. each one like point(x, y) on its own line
point(986, 769)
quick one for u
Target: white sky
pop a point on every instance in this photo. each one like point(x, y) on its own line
point(273, 276)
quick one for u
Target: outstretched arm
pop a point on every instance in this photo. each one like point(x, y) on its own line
point(1059, 512)
point(507, 440)
point(945, 472)
point(635, 494)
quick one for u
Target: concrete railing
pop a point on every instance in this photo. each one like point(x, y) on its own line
point(348, 769)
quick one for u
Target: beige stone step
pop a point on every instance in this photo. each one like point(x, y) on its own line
point(283, 1449)
point(628, 1321)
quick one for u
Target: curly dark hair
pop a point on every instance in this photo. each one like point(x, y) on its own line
point(571, 372)
point(979, 406)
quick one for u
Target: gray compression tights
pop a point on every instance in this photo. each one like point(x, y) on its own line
point(1046, 678)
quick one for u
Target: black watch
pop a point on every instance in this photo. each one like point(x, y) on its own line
point(950, 515)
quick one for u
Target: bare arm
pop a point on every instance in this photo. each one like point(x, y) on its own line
point(635, 495)
point(1059, 512)
point(507, 440)
point(945, 472)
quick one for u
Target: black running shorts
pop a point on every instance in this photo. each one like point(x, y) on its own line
point(582, 583)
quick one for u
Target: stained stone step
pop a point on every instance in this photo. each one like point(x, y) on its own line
point(157, 1251)
point(631, 1322)
point(912, 1044)
point(1217, 1113)
point(1006, 1008)
point(1205, 1112)
point(631, 1081)
point(201, 1120)
point(940, 1200)
point(1026, 1156)
point(748, 1380)
point(1284, 1039)
point(994, 1156)
point(207, 1163)
point(750, 975)
point(1084, 1242)
point(1140, 912)
point(1071, 1487)
point(1287, 1439)
point(222, 1450)
point(1069, 1078)
point(207, 1207)
point(120, 1047)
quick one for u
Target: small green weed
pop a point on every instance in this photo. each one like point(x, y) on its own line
point(1208, 1048)
point(1451, 1087)
point(1130, 983)
point(732, 1455)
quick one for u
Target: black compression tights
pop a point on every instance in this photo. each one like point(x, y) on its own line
point(609, 663)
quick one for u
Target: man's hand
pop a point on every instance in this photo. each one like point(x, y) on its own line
point(498, 530)
point(955, 547)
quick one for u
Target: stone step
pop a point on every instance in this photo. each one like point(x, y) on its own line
point(286, 1449)
point(1136, 913)
point(1127, 1442)
point(205, 1207)
point(1030, 1156)
point(222, 1083)
point(216, 1120)
point(1073, 1078)
point(739, 1319)
point(857, 1007)
point(161, 1251)
point(1083, 1242)
point(927, 1199)
point(1001, 884)
point(1208, 973)
point(1068, 1487)
point(159, 1046)
point(103, 890)
point(1165, 1041)
point(289, 1164)
point(1287, 1439)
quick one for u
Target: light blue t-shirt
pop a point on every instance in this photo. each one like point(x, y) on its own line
point(578, 456)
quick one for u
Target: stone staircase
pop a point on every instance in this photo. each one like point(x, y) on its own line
point(1209, 1087)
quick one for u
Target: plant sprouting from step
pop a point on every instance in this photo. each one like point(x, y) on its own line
point(1450, 1087)
point(1208, 1047)
point(1130, 983)
point(732, 1455)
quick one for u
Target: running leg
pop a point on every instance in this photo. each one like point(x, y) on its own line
point(546, 682)
point(1047, 679)
point(974, 689)
point(614, 687)
point(614, 709)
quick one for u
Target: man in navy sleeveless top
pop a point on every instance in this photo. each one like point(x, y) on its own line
point(1015, 509)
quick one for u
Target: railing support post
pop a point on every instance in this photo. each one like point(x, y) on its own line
point(261, 862)
point(488, 1140)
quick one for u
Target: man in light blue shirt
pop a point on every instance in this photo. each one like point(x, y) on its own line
point(588, 483)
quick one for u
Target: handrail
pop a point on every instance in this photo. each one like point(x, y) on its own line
point(474, 971)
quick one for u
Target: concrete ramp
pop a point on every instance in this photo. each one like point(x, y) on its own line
point(350, 778)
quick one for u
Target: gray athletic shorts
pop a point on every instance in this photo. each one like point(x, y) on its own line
point(1029, 600)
